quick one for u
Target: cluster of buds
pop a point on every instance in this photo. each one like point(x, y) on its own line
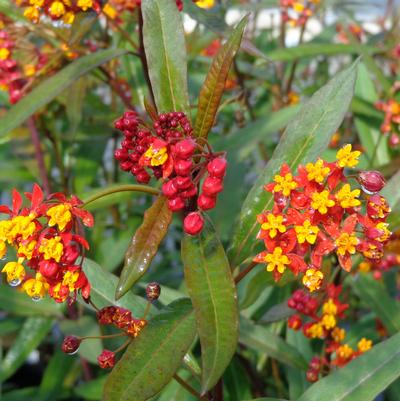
point(391, 121)
point(318, 213)
point(168, 151)
point(119, 318)
point(355, 30)
point(43, 236)
point(323, 316)
point(297, 12)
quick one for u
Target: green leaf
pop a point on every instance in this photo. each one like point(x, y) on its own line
point(144, 245)
point(214, 84)
point(261, 339)
point(165, 47)
point(32, 333)
point(211, 287)
point(267, 399)
point(103, 285)
point(154, 356)
point(304, 139)
point(376, 297)
point(363, 378)
point(392, 194)
point(92, 390)
point(53, 86)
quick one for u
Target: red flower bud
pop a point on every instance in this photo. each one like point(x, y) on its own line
point(217, 167)
point(315, 364)
point(183, 167)
point(377, 207)
point(295, 322)
point(193, 223)
point(106, 315)
point(153, 291)
point(371, 181)
point(312, 376)
point(189, 193)
point(143, 177)
point(70, 345)
point(48, 269)
point(121, 155)
point(183, 182)
point(176, 204)
point(106, 359)
point(394, 141)
point(169, 189)
point(184, 149)
point(205, 202)
point(212, 186)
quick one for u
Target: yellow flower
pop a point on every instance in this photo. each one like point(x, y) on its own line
point(329, 307)
point(110, 11)
point(348, 198)
point(157, 156)
point(85, 4)
point(364, 267)
point(338, 334)
point(37, 3)
point(3, 249)
point(4, 53)
point(57, 9)
point(306, 232)
point(364, 345)
point(69, 18)
point(320, 201)
point(5, 231)
point(344, 351)
point(22, 225)
point(29, 70)
point(276, 261)
point(15, 272)
point(386, 232)
point(274, 224)
point(284, 184)
point(317, 171)
point(52, 248)
point(346, 243)
point(316, 331)
point(36, 288)
point(70, 279)
point(60, 215)
point(26, 250)
point(205, 3)
point(312, 279)
point(298, 7)
point(328, 321)
point(32, 13)
point(346, 157)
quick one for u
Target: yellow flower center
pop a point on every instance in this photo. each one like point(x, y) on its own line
point(276, 260)
point(26, 250)
point(312, 279)
point(57, 9)
point(306, 232)
point(273, 225)
point(32, 13)
point(205, 3)
point(344, 351)
point(37, 287)
point(157, 156)
point(328, 321)
point(60, 215)
point(346, 243)
point(364, 267)
point(15, 272)
point(364, 345)
point(110, 11)
point(4, 53)
point(348, 198)
point(69, 18)
point(37, 3)
point(346, 157)
point(3, 249)
point(320, 201)
point(316, 331)
point(386, 232)
point(70, 279)
point(338, 334)
point(85, 4)
point(22, 226)
point(317, 171)
point(52, 248)
point(284, 184)
point(329, 307)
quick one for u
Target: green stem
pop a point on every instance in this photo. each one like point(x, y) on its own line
point(243, 273)
point(121, 188)
point(189, 388)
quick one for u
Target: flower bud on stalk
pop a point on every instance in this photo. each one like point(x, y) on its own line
point(153, 291)
point(371, 181)
point(70, 345)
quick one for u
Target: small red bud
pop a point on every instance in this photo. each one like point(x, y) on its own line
point(143, 177)
point(212, 186)
point(169, 189)
point(106, 359)
point(205, 202)
point(121, 155)
point(217, 167)
point(183, 167)
point(193, 223)
point(176, 204)
point(70, 345)
point(189, 193)
point(371, 181)
point(295, 322)
point(185, 148)
point(394, 141)
point(315, 364)
point(153, 291)
point(183, 182)
point(312, 376)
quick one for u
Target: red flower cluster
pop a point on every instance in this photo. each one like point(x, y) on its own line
point(44, 239)
point(324, 315)
point(317, 213)
point(168, 151)
point(297, 12)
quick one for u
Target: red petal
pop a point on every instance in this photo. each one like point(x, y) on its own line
point(5, 209)
point(345, 261)
point(16, 201)
point(87, 217)
point(297, 263)
point(37, 197)
point(350, 223)
point(260, 258)
point(59, 196)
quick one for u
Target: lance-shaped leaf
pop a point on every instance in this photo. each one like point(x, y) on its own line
point(304, 139)
point(261, 339)
point(165, 47)
point(32, 333)
point(214, 84)
point(154, 356)
point(212, 290)
point(53, 86)
point(392, 194)
point(363, 378)
point(144, 245)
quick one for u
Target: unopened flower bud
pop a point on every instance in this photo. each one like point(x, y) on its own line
point(176, 204)
point(169, 189)
point(394, 141)
point(153, 291)
point(106, 359)
point(193, 223)
point(212, 186)
point(205, 202)
point(295, 322)
point(70, 345)
point(184, 149)
point(183, 167)
point(312, 376)
point(371, 181)
point(217, 167)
